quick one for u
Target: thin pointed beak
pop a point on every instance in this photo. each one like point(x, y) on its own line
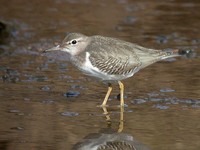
point(56, 48)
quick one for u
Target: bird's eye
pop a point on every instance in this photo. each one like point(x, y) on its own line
point(74, 42)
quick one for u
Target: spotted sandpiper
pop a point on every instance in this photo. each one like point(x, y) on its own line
point(111, 59)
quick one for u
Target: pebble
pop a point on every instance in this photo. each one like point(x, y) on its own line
point(138, 101)
point(17, 128)
point(47, 101)
point(14, 111)
point(162, 107)
point(45, 88)
point(72, 94)
point(166, 90)
point(130, 20)
point(70, 114)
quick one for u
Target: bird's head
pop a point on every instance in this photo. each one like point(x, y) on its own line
point(74, 43)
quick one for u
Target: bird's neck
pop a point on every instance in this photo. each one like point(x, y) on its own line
point(78, 60)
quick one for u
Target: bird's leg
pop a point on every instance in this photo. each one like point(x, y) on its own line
point(121, 121)
point(105, 112)
point(107, 95)
point(121, 87)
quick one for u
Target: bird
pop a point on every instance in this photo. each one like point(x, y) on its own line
point(111, 59)
point(109, 140)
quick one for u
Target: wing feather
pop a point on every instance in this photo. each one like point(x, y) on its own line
point(114, 56)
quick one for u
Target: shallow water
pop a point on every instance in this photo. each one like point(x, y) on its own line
point(46, 103)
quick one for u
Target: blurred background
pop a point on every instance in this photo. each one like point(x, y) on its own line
point(46, 103)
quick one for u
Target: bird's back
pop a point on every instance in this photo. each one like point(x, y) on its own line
point(109, 53)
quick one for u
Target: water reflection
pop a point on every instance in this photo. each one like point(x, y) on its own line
point(40, 104)
point(110, 139)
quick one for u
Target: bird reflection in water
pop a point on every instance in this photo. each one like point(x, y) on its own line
point(109, 139)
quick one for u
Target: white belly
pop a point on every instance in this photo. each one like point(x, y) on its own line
point(90, 70)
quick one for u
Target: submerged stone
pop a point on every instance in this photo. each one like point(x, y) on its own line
point(160, 106)
point(70, 114)
point(138, 101)
point(17, 128)
point(165, 90)
point(45, 88)
point(72, 94)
